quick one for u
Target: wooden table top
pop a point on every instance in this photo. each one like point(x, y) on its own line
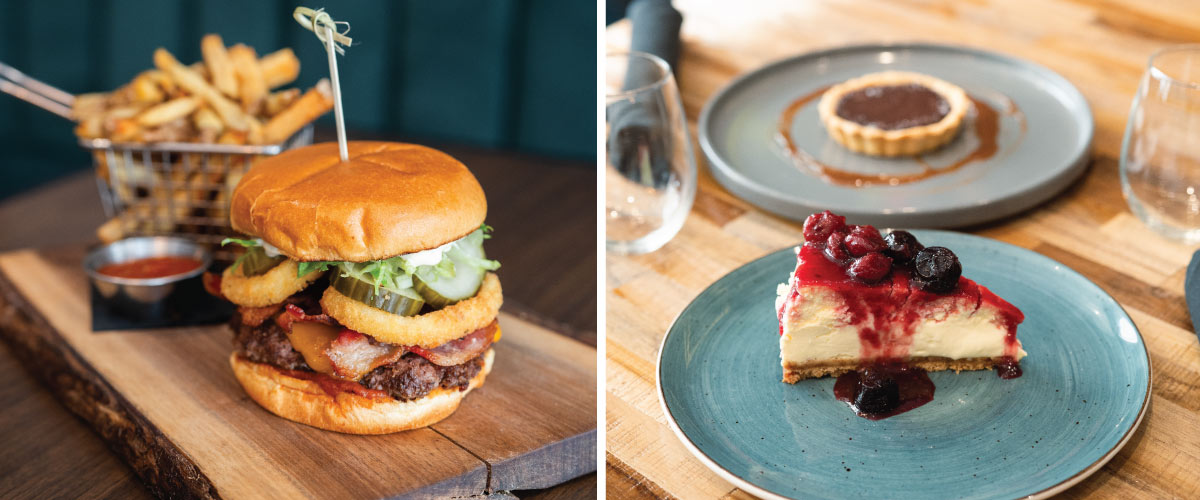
point(1101, 46)
point(52, 454)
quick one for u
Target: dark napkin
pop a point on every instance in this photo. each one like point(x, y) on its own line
point(655, 29)
point(1191, 289)
point(189, 306)
point(637, 144)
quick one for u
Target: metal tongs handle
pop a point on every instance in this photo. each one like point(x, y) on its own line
point(26, 88)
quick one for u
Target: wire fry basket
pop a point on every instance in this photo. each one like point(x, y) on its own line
point(158, 188)
point(175, 188)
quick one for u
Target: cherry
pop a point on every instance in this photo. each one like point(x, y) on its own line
point(871, 267)
point(834, 249)
point(863, 240)
point(818, 227)
point(878, 392)
point(936, 269)
point(902, 246)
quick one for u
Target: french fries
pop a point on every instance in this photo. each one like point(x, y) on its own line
point(316, 102)
point(252, 88)
point(144, 89)
point(230, 90)
point(192, 82)
point(168, 111)
point(279, 68)
point(208, 124)
point(220, 67)
point(278, 101)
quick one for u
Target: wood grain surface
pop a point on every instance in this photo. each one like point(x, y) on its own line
point(166, 402)
point(529, 197)
point(1100, 46)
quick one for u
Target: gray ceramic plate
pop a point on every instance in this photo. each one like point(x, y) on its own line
point(738, 129)
point(1085, 388)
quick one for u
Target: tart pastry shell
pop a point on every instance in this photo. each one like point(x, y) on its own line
point(874, 141)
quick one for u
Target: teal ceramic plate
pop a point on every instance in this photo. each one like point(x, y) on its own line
point(1040, 150)
point(1084, 390)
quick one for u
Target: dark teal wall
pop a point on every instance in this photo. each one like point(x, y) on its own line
point(507, 74)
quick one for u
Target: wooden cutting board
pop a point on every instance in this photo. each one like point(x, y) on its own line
point(166, 401)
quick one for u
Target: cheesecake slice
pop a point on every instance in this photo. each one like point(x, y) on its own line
point(857, 299)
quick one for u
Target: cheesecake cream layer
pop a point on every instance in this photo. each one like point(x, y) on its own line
point(820, 327)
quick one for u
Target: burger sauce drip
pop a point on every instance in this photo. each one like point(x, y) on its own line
point(987, 129)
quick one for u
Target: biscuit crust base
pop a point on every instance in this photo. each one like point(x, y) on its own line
point(793, 372)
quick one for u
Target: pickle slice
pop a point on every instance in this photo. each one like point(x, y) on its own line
point(399, 303)
point(441, 291)
point(256, 262)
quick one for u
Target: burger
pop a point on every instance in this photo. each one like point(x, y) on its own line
point(366, 304)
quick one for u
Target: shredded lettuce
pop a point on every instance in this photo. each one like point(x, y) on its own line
point(245, 243)
point(308, 267)
point(396, 273)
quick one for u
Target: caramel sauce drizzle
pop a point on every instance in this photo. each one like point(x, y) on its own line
point(986, 126)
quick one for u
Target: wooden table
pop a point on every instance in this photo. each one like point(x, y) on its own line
point(1100, 46)
point(50, 453)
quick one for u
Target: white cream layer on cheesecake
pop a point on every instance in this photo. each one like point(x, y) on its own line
point(816, 327)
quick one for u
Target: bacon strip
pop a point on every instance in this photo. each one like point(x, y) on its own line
point(293, 313)
point(460, 350)
point(354, 355)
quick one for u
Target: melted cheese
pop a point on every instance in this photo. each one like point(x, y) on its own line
point(311, 339)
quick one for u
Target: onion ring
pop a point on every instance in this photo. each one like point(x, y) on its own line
point(265, 289)
point(427, 330)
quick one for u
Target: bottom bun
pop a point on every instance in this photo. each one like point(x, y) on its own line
point(304, 401)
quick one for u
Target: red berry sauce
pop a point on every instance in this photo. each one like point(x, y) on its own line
point(913, 388)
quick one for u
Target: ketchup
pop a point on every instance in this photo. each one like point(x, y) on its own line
point(150, 267)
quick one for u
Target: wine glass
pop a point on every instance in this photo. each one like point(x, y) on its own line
point(650, 173)
point(1160, 155)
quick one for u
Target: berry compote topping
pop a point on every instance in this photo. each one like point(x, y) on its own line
point(835, 250)
point(818, 227)
point(870, 268)
point(863, 240)
point(936, 270)
point(858, 250)
point(880, 391)
point(902, 246)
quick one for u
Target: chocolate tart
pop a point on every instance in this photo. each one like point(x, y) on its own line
point(893, 113)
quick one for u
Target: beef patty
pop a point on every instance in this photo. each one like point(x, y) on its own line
point(411, 377)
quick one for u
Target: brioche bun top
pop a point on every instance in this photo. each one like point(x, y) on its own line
point(388, 199)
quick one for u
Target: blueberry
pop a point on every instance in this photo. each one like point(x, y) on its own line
point(902, 246)
point(936, 269)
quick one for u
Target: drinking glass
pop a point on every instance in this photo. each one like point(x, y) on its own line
point(1160, 155)
point(650, 173)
